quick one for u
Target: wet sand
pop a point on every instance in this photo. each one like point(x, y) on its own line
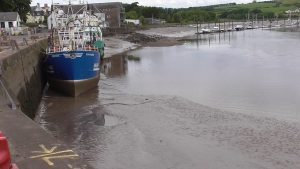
point(171, 32)
point(114, 129)
point(117, 44)
point(172, 132)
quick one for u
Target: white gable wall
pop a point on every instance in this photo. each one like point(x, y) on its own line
point(15, 23)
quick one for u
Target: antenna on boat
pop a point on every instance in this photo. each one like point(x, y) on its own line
point(52, 33)
point(88, 8)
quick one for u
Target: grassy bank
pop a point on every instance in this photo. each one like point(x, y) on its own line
point(230, 11)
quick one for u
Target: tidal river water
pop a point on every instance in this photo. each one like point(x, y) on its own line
point(149, 112)
point(249, 71)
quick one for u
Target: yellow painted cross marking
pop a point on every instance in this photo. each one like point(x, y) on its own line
point(45, 150)
point(48, 154)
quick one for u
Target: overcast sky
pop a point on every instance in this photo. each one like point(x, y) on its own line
point(159, 3)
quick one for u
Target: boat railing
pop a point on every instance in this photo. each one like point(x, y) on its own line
point(60, 49)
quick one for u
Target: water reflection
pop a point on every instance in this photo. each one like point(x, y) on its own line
point(82, 123)
point(211, 39)
point(289, 29)
point(115, 66)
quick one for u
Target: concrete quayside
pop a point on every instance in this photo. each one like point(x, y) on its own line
point(21, 88)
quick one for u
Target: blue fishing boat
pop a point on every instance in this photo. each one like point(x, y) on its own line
point(75, 52)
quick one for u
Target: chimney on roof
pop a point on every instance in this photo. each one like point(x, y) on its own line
point(38, 5)
point(45, 5)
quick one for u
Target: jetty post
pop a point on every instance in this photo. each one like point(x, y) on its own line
point(262, 23)
point(252, 25)
point(200, 24)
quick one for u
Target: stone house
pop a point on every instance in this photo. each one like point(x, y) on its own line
point(38, 14)
point(114, 13)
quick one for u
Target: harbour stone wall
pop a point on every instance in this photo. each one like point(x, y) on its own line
point(22, 76)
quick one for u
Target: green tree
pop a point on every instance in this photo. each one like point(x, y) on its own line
point(177, 17)
point(132, 15)
point(22, 7)
point(142, 20)
point(256, 11)
point(6, 5)
point(45, 19)
point(131, 7)
point(269, 14)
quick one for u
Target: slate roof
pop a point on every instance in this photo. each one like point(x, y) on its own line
point(35, 12)
point(8, 16)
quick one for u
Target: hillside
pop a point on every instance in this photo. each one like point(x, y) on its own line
point(231, 11)
point(290, 2)
point(269, 9)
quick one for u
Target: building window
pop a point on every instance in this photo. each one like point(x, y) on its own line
point(2, 24)
point(10, 24)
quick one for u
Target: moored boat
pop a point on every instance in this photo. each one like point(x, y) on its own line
point(239, 27)
point(206, 30)
point(74, 53)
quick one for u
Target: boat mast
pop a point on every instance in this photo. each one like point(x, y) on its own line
point(90, 24)
point(52, 33)
point(71, 27)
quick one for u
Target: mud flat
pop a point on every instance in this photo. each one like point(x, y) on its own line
point(155, 37)
point(172, 132)
point(115, 45)
point(171, 32)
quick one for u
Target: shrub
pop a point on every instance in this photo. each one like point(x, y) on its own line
point(31, 25)
point(134, 58)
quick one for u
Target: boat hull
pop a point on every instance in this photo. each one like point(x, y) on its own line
point(73, 87)
point(73, 72)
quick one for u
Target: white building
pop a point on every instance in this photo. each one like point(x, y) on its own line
point(293, 11)
point(9, 20)
point(134, 21)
